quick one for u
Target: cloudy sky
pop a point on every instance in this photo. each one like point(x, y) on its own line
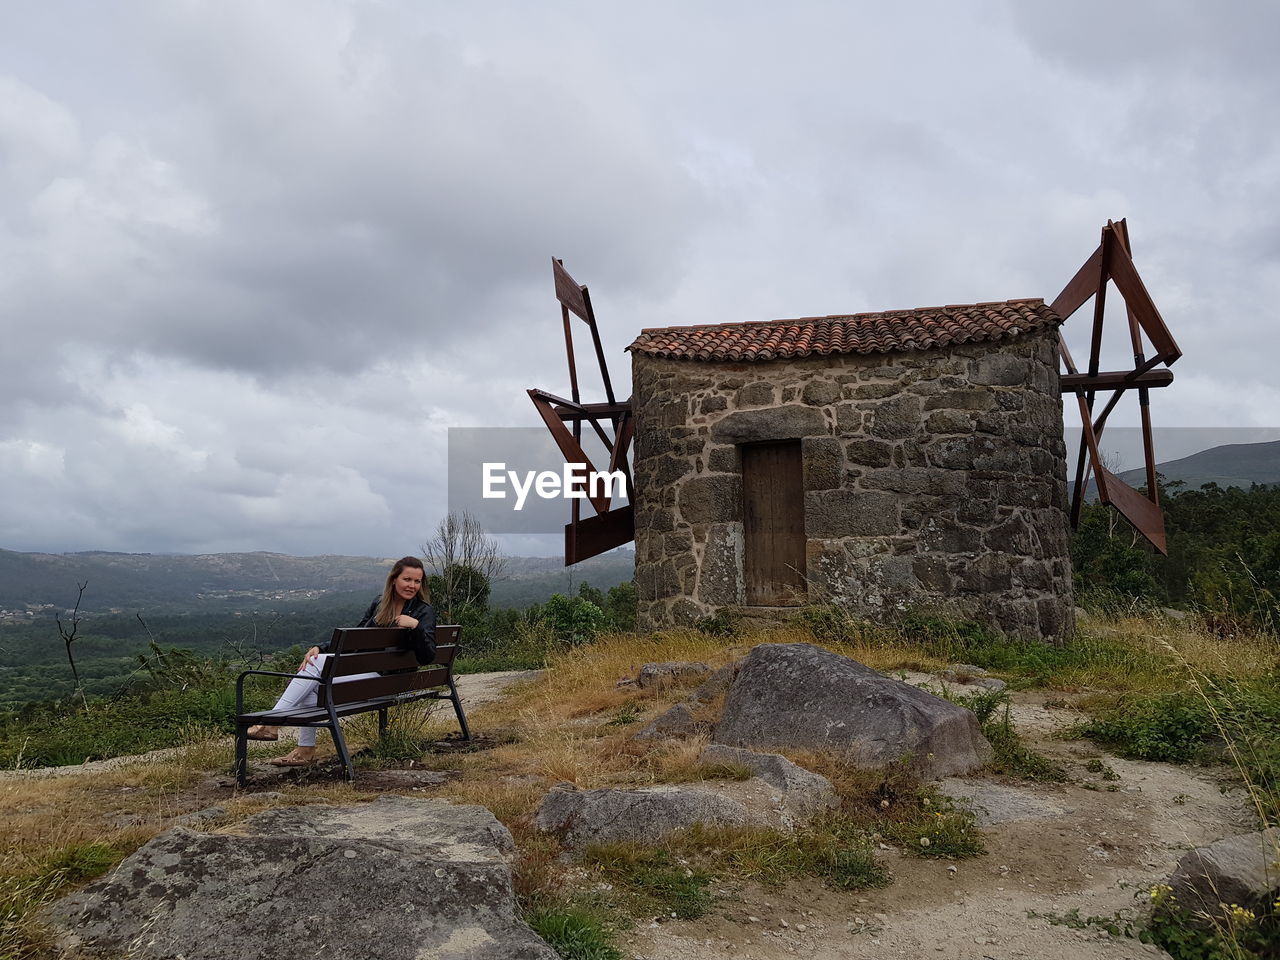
point(257, 258)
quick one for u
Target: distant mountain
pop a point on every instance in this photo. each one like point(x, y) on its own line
point(1230, 465)
point(124, 582)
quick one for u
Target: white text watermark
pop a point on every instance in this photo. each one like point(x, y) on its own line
point(573, 482)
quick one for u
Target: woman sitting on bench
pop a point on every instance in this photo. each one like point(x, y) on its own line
point(404, 603)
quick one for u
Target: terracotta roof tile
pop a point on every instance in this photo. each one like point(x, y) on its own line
point(888, 332)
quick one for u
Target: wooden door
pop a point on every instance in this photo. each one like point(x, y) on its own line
point(773, 524)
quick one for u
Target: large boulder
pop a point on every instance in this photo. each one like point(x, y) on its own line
point(1235, 871)
point(399, 878)
point(800, 696)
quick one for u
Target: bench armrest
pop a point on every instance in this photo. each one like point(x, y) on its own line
point(265, 673)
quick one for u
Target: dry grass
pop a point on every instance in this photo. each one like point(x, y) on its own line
point(559, 729)
point(1192, 645)
point(1128, 654)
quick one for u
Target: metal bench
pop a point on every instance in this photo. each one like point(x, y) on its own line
point(358, 650)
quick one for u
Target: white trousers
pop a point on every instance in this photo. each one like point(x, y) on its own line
point(305, 693)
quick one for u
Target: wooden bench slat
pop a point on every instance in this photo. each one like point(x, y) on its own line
point(383, 661)
point(347, 639)
point(446, 653)
point(388, 686)
point(374, 661)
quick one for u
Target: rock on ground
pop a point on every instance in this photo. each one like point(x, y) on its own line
point(781, 796)
point(676, 723)
point(716, 685)
point(996, 803)
point(801, 696)
point(644, 815)
point(659, 675)
point(399, 878)
point(799, 794)
point(1237, 870)
point(682, 720)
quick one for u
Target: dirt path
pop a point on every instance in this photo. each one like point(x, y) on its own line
point(1095, 846)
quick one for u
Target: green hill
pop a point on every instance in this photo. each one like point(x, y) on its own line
point(1230, 465)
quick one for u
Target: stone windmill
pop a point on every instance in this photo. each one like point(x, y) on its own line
point(883, 461)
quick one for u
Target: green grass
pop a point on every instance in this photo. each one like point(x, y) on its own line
point(1106, 658)
point(627, 714)
point(59, 734)
point(654, 877)
point(527, 657)
point(938, 831)
point(1118, 924)
point(1030, 663)
point(81, 861)
point(1012, 757)
point(1234, 722)
point(836, 849)
point(573, 930)
point(1171, 728)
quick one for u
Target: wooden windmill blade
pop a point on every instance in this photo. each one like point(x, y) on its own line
point(610, 526)
point(1112, 261)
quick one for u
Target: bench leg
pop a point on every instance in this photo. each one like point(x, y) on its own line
point(457, 708)
point(242, 754)
point(340, 742)
point(382, 722)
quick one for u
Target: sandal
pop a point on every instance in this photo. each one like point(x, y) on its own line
point(291, 760)
point(262, 732)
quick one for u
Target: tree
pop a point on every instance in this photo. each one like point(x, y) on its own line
point(573, 620)
point(621, 607)
point(462, 561)
point(587, 592)
point(68, 638)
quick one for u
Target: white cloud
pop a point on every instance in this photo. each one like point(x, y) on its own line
point(255, 259)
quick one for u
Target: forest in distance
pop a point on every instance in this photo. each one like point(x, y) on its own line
point(225, 607)
point(1224, 561)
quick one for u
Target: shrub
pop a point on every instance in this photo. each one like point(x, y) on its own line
point(1248, 932)
point(620, 607)
point(725, 622)
point(1172, 728)
point(1011, 756)
point(572, 620)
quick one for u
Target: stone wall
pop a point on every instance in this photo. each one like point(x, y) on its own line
point(933, 480)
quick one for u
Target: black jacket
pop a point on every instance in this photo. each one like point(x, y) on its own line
point(422, 638)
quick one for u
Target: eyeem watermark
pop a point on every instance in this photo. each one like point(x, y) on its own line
point(573, 482)
point(515, 479)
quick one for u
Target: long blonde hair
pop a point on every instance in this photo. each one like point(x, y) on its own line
point(390, 606)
